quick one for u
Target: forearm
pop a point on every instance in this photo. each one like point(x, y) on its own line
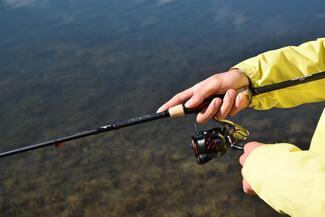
point(285, 64)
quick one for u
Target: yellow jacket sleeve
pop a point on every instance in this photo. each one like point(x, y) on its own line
point(288, 179)
point(285, 64)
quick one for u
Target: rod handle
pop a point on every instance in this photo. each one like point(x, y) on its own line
point(181, 110)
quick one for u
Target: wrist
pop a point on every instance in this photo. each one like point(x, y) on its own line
point(235, 79)
point(244, 79)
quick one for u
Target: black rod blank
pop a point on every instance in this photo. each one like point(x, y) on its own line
point(102, 129)
point(288, 83)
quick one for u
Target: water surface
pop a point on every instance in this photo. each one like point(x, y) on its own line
point(73, 65)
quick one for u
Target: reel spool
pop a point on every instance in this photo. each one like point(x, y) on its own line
point(213, 143)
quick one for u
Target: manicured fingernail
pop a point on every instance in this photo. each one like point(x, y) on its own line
point(159, 110)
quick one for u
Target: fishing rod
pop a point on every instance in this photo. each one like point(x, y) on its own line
point(229, 134)
point(288, 83)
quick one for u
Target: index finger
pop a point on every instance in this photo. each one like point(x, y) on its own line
point(179, 98)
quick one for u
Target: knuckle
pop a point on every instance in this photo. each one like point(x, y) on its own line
point(217, 102)
point(198, 87)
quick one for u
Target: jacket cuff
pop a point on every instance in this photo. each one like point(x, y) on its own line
point(254, 76)
point(249, 71)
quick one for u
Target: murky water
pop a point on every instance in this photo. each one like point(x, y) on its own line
point(69, 65)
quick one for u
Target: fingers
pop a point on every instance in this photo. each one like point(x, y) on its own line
point(222, 107)
point(201, 91)
point(179, 98)
point(247, 188)
point(195, 100)
point(242, 100)
point(194, 96)
point(210, 111)
point(215, 84)
point(248, 148)
point(230, 105)
point(242, 159)
point(227, 104)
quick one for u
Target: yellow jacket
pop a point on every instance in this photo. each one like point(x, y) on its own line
point(290, 180)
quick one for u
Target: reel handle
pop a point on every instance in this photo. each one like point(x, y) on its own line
point(237, 147)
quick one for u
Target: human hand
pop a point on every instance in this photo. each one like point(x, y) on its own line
point(222, 83)
point(248, 148)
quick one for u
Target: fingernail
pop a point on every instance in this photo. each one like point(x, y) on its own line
point(230, 93)
point(200, 121)
point(188, 103)
point(240, 97)
point(248, 95)
point(159, 110)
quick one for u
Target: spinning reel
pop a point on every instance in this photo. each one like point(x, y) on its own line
point(215, 142)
